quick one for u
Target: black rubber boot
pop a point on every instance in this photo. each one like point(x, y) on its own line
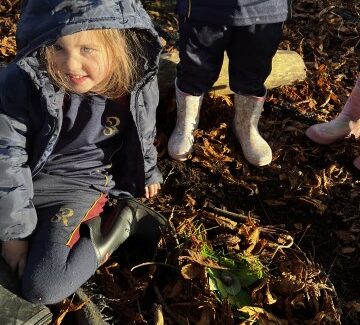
point(15, 310)
point(129, 217)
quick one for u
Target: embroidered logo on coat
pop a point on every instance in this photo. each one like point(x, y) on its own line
point(63, 216)
point(111, 126)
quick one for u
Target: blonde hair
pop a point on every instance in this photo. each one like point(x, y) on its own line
point(126, 53)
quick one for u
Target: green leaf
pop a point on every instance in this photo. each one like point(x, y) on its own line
point(248, 270)
point(241, 299)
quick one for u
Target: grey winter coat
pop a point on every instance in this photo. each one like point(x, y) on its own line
point(235, 12)
point(30, 106)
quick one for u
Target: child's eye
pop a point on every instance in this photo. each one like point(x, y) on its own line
point(87, 50)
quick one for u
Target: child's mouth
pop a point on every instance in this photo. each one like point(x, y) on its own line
point(77, 79)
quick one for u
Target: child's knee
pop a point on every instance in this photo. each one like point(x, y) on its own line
point(42, 291)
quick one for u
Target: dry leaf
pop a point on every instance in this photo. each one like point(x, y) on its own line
point(191, 271)
point(264, 317)
point(253, 240)
point(158, 315)
point(348, 250)
point(223, 222)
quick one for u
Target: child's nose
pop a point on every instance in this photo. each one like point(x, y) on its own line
point(72, 63)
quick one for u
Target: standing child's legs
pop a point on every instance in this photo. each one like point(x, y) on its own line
point(201, 56)
point(345, 124)
point(58, 261)
point(250, 51)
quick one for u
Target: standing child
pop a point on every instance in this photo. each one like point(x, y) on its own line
point(347, 123)
point(249, 31)
point(77, 121)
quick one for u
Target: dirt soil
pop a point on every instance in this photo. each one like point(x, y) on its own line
point(309, 192)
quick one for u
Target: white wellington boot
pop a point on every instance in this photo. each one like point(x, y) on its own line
point(181, 141)
point(247, 114)
point(345, 124)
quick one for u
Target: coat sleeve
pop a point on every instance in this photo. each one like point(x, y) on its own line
point(150, 94)
point(17, 213)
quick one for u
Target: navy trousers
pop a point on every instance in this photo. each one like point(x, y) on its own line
point(59, 260)
point(250, 50)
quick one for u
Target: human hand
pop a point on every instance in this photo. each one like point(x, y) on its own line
point(152, 190)
point(14, 253)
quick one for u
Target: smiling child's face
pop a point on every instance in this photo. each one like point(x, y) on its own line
point(82, 61)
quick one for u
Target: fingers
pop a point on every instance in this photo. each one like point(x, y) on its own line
point(155, 190)
point(152, 190)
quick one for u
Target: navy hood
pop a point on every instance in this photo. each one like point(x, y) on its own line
point(43, 21)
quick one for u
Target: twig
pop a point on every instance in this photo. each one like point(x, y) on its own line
point(153, 263)
point(89, 313)
point(262, 207)
point(173, 227)
point(232, 215)
point(170, 173)
point(331, 267)
point(291, 242)
point(303, 234)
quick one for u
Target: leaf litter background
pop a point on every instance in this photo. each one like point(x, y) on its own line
point(297, 218)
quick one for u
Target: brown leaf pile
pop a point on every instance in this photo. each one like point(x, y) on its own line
point(295, 291)
point(9, 16)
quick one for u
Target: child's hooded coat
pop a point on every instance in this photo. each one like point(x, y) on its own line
point(235, 12)
point(31, 107)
